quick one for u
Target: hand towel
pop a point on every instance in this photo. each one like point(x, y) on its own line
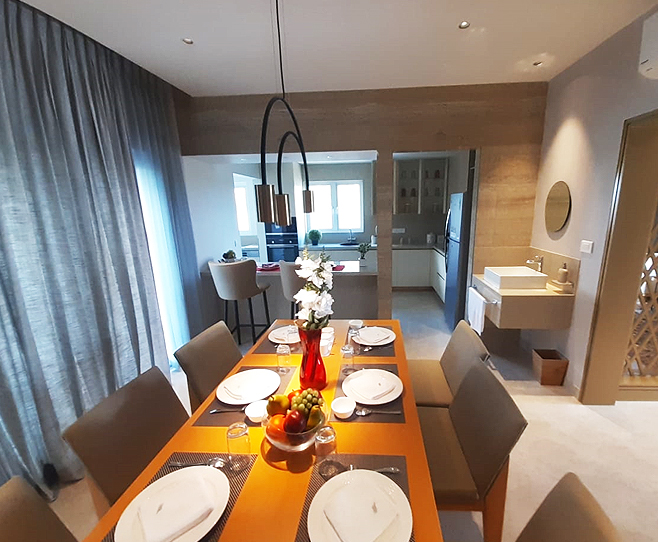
point(476, 308)
point(371, 386)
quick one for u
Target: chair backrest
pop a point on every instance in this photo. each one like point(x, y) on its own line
point(234, 281)
point(118, 438)
point(464, 349)
point(25, 517)
point(569, 512)
point(291, 282)
point(487, 422)
point(206, 360)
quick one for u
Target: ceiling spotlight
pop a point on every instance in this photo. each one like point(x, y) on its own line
point(537, 63)
point(187, 41)
point(464, 25)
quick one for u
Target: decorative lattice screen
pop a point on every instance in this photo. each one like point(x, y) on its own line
point(642, 354)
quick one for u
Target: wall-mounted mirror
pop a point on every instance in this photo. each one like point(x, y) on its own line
point(558, 206)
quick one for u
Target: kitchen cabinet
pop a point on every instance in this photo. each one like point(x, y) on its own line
point(438, 273)
point(411, 268)
point(421, 186)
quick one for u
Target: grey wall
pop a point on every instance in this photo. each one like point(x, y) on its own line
point(586, 108)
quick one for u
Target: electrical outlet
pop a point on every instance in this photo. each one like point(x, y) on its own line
point(399, 230)
point(586, 247)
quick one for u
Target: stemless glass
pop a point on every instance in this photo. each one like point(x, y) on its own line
point(347, 351)
point(239, 447)
point(325, 443)
point(353, 340)
point(283, 358)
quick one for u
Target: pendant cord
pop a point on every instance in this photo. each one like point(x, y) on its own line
point(278, 30)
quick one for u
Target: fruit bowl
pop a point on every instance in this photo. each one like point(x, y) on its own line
point(290, 442)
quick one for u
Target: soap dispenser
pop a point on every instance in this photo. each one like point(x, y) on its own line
point(562, 274)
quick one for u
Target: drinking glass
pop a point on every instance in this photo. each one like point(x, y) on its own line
point(353, 339)
point(283, 358)
point(239, 447)
point(325, 443)
point(347, 351)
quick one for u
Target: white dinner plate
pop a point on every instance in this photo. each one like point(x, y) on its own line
point(376, 377)
point(129, 528)
point(280, 335)
point(361, 482)
point(248, 386)
point(375, 336)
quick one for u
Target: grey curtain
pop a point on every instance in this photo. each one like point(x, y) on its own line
point(78, 309)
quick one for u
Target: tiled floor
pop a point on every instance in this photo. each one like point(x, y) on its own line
point(613, 449)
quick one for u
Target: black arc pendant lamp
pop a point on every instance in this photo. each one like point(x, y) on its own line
point(272, 207)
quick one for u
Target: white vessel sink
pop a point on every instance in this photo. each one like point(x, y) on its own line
point(515, 277)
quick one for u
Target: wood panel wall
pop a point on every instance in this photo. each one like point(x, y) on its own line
point(504, 121)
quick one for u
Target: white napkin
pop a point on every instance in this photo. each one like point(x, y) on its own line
point(362, 515)
point(283, 334)
point(477, 305)
point(374, 334)
point(175, 509)
point(371, 385)
point(234, 389)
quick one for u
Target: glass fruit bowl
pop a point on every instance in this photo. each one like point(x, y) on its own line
point(290, 442)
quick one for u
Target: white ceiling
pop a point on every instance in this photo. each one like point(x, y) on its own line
point(347, 44)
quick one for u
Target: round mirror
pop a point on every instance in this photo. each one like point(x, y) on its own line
point(558, 206)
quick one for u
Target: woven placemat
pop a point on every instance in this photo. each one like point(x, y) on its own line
point(384, 351)
point(227, 418)
point(359, 462)
point(236, 482)
point(397, 404)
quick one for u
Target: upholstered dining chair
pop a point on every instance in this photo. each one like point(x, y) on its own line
point(436, 383)
point(206, 360)
point(569, 512)
point(118, 438)
point(235, 282)
point(291, 283)
point(468, 447)
point(25, 517)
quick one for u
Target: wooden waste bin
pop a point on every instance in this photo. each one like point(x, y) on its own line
point(550, 367)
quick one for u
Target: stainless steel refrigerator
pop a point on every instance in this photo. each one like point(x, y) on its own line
point(457, 230)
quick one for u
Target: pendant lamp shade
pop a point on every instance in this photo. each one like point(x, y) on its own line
point(265, 203)
point(307, 201)
point(282, 210)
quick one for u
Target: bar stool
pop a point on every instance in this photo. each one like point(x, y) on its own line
point(291, 283)
point(237, 281)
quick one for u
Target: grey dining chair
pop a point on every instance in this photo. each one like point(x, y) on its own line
point(206, 360)
point(291, 283)
point(119, 437)
point(235, 282)
point(25, 516)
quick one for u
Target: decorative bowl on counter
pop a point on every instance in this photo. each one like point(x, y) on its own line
point(287, 441)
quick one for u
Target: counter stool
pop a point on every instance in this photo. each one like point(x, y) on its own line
point(237, 281)
point(291, 283)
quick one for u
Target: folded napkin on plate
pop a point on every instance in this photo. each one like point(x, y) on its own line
point(374, 334)
point(284, 334)
point(175, 509)
point(234, 389)
point(371, 385)
point(360, 516)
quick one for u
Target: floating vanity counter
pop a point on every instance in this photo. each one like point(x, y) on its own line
point(525, 308)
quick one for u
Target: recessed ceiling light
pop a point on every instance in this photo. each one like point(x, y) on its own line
point(187, 41)
point(537, 63)
point(464, 25)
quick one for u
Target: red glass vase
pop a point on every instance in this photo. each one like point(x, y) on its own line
point(312, 372)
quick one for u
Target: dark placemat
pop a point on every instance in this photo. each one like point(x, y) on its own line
point(236, 482)
point(385, 351)
point(227, 418)
point(360, 462)
point(268, 347)
point(372, 418)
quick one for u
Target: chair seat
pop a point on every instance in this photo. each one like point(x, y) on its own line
point(451, 477)
point(429, 382)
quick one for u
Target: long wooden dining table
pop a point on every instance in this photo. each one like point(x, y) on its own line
point(271, 501)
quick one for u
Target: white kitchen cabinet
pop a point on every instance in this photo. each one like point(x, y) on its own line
point(411, 268)
point(438, 274)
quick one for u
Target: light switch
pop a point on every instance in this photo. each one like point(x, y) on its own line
point(586, 247)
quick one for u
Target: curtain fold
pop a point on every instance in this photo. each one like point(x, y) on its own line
point(78, 307)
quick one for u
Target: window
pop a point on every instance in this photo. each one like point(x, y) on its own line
point(338, 206)
point(245, 203)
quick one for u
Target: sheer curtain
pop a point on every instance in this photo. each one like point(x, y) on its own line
point(78, 306)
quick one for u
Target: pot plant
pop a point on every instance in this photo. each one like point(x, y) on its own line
point(229, 256)
point(314, 236)
point(363, 250)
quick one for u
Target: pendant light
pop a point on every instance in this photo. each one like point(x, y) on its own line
point(271, 207)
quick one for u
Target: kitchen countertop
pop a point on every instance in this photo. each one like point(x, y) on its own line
point(351, 268)
point(335, 246)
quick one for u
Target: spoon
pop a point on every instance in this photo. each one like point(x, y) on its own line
point(225, 410)
point(363, 411)
point(216, 462)
point(330, 468)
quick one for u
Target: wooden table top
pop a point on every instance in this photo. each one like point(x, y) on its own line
point(270, 503)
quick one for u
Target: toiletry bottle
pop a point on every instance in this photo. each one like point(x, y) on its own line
point(562, 274)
